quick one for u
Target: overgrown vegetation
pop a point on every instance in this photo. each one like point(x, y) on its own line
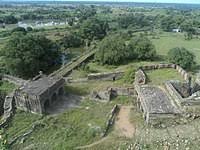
point(115, 53)
point(182, 57)
point(126, 38)
point(26, 54)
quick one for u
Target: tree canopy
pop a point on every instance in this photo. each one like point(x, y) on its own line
point(113, 50)
point(94, 28)
point(140, 48)
point(71, 40)
point(182, 57)
point(10, 19)
point(26, 55)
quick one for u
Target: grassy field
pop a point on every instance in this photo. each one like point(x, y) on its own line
point(168, 41)
point(74, 127)
point(158, 77)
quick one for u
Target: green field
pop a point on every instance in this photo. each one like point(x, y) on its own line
point(158, 77)
point(168, 41)
point(73, 128)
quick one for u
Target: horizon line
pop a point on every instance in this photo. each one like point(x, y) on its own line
point(99, 1)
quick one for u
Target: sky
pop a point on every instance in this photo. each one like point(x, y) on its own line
point(153, 1)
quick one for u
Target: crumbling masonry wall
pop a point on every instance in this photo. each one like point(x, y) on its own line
point(140, 82)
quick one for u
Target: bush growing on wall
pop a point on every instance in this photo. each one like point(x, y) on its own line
point(129, 75)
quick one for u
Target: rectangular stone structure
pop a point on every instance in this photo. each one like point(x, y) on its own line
point(36, 96)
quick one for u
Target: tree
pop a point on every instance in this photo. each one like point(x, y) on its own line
point(26, 55)
point(71, 21)
point(84, 12)
point(71, 40)
point(94, 28)
point(168, 23)
point(29, 29)
point(182, 57)
point(141, 48)
point(19, 29)
point(135, 20)
point(111, 51)
point(10, 19)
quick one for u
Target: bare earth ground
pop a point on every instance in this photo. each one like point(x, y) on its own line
point(123, 124)
point(65, 102)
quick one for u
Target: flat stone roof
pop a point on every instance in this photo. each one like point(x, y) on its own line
point(156, 101)
point(39, 86)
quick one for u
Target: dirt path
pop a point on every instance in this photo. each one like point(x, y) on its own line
point(122, 126)
point(122, 123)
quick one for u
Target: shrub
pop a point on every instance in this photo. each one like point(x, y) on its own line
point(19, 29)
point(182, 57)
point(129, 75)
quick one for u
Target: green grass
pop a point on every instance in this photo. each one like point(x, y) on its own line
point(20, 123)
point(6, 86)
point(168, 41)
point(158, 77)
point(74, 127)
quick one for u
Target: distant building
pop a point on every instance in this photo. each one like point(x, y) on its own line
point(38, 95)
point(176, 30)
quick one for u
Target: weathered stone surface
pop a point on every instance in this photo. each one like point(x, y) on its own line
point(36, 96)
point(101, 95)
point(110, 76)
point(182, 87)
point(14, 80)
point(109, 93)
point(157, 103)
point(8, 109)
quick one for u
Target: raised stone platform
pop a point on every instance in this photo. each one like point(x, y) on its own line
point(155, 104)
point(37, 95)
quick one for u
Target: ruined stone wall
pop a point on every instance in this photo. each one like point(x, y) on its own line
point(28, 103)
point(111, 119)
point(8, 109)
point(120, 91)
point(160, 118)
point(109, 93)
point(110, 76)
point(182, 72)
point(183, 88)
point(14, 80)
point(174, 93)
point(140, 77)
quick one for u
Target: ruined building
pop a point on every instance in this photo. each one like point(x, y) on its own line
point(37, 95)
point(172, 99)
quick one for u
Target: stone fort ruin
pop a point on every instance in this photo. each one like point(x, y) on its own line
point(38, 95)
point(174, 99)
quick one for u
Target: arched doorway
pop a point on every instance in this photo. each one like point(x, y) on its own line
point(46, 104)
point(54, 97)
point(61, 91)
